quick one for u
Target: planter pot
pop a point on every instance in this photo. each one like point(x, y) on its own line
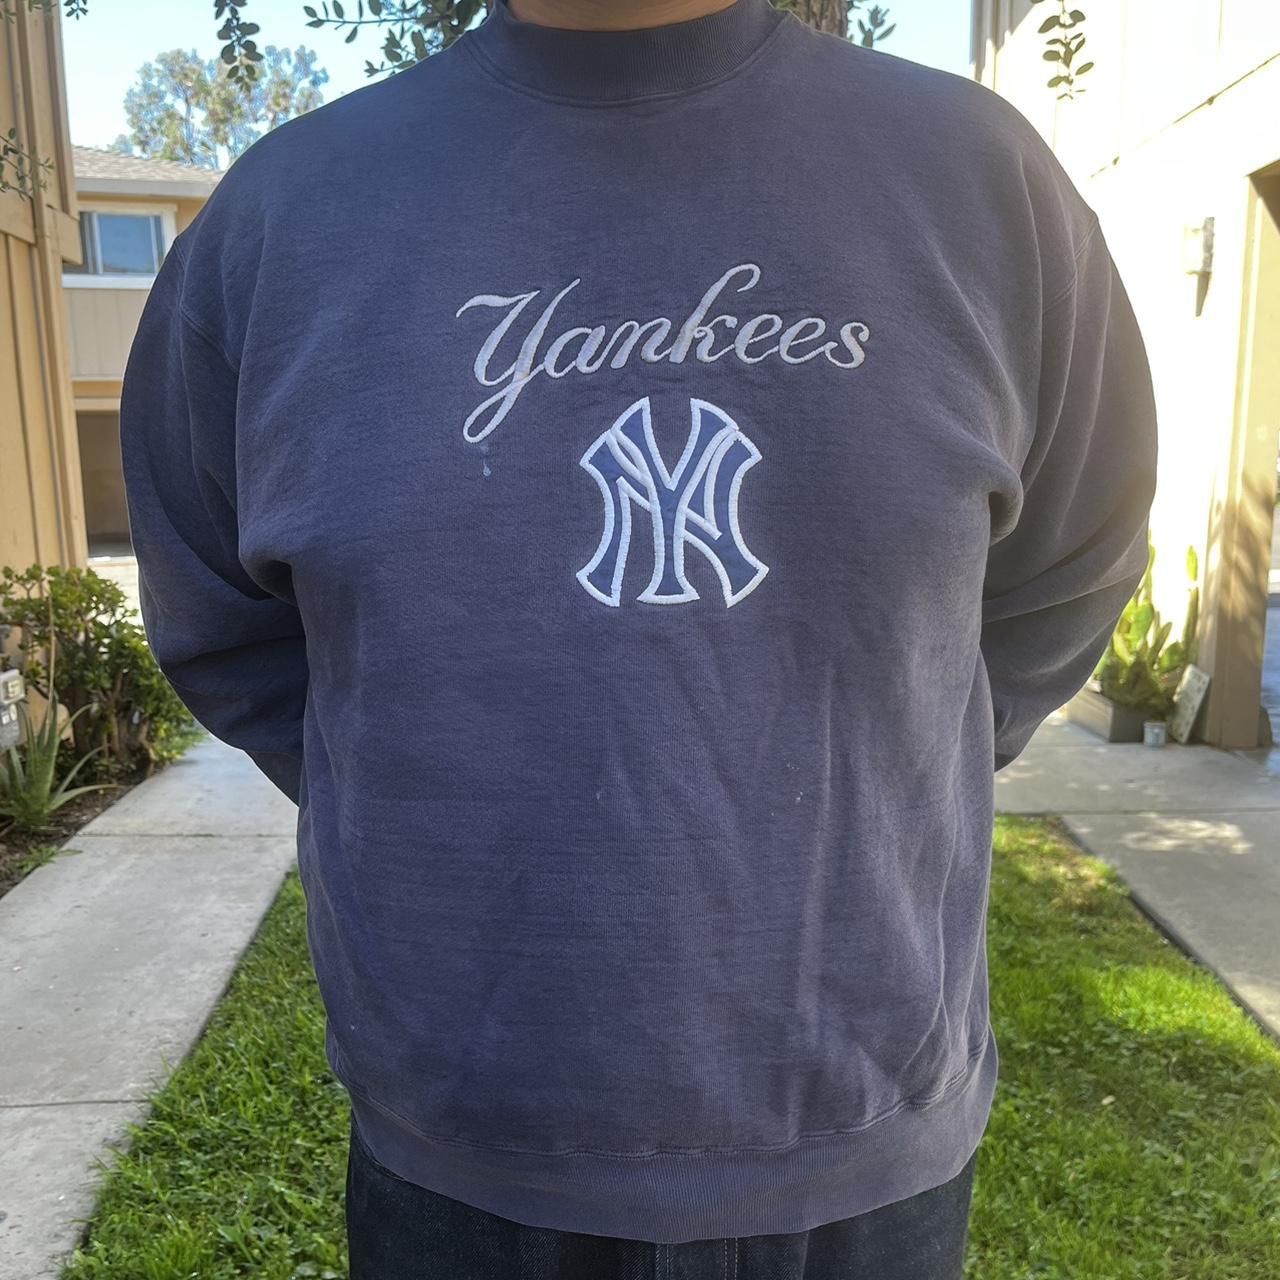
point(1110, 721)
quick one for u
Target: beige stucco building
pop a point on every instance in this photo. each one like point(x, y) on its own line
point(1176, 143)
point(130, 211)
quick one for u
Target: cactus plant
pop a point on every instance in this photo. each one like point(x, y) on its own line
point(1140, 667)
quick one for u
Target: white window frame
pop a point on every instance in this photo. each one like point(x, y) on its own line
point(168, 214)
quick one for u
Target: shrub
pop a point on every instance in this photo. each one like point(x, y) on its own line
point(133, 718)
point(30, 789)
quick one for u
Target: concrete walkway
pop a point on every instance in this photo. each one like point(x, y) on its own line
point(1193, 830)
point(112, 957)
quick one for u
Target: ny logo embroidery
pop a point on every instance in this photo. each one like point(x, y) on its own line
point(696, 505)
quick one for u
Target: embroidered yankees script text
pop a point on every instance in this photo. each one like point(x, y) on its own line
point(585, 349)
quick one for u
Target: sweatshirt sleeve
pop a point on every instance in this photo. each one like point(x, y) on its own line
point(234, 652)
point(1059, 576)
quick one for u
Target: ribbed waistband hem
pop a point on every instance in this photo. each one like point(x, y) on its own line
point(674, 1198)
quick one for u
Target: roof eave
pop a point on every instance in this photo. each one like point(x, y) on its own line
point(171, 187)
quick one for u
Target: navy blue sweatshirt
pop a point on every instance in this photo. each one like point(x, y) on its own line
point(633, 490)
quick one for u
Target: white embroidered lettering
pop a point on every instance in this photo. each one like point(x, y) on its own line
point(708, 337)
point(696, 334)
point(795, 334)
point(747, 335)
point(846, 336)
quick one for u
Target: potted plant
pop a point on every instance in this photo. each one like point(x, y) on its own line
point(1137, 678)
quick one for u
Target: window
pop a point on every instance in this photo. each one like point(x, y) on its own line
point(120, 244)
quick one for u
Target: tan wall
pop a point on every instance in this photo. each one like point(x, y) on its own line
point(106, 512)
point(1179, 119)
point(102, 321)
point(41, 511)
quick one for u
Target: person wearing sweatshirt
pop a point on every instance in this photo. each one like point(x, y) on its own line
point(633, 480)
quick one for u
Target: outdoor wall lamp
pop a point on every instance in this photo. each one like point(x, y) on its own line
point(1197, 249)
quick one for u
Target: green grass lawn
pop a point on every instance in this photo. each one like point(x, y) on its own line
point(1134, 1133)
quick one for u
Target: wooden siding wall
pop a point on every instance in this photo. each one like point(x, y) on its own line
point(41, 504)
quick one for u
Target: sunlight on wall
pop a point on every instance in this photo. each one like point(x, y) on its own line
point(1180, 111)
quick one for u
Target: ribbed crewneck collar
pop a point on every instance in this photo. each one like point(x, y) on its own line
point(617, 66)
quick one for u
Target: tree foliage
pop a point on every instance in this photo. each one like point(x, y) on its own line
point(191, 109)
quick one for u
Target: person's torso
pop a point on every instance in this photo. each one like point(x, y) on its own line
point(633, 470)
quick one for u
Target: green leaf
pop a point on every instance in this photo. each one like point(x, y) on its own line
point(1048, 24)
point(1052, 55)
point(61, 797)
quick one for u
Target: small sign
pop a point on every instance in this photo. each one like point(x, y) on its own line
point(10, 731)
point(1187, 702)
point(13, 687)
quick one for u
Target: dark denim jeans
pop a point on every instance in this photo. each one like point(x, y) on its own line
point(397, 1230)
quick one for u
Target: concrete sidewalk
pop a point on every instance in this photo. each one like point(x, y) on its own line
point(1193, 830)
point(112, 957)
